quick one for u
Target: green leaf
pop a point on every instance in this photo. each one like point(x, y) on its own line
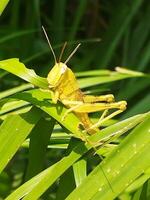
point(11, 91)
point(79, 169)
point(130, 157)
point(139, 182)
point(13, 131)
point(39, 139)
point(77, 18)
point(139, 107)
point(118, 25)
point(42, 100)
point(11, 36)
point(36, 186)
point(15, 67)
point(8, 105)
point(3, 5)
point(65, 186)
point(113, 76)
point(60, 21)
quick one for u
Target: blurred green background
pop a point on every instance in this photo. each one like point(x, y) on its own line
point(112, 33)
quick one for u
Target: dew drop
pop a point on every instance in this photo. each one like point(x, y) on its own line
point(108, 170)
point(100, 189)
point(134, 145)
point(117, 172)
point(135, 152)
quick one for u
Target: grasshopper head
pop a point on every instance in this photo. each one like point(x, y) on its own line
point(56, 73)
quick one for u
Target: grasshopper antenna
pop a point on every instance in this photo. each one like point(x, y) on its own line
point(62, 51)
point(51, 48)
point(73, 52)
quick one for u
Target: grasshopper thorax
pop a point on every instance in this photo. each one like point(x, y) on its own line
point(55, 75)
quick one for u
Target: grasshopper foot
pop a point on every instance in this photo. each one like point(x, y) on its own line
point(110, 98)
point(123, 105)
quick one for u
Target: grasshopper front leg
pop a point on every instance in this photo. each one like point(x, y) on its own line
point(70, 110)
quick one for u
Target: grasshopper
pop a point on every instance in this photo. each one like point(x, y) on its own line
point(64, 88)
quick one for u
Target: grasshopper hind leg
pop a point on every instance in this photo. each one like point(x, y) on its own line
point(103, 118)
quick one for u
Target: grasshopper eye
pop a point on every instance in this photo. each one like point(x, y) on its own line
point(63, 69)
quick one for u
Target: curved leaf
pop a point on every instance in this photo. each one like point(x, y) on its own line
point(130, 157)
point(13, 132)
point(3, 4)
point(17, 68)
point(36, 186)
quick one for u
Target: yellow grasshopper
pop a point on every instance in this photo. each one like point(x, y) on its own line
point(64, 88)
